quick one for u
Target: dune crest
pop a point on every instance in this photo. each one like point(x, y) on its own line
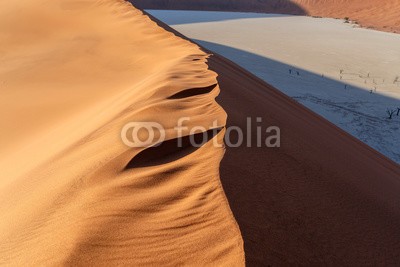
point(73, 73)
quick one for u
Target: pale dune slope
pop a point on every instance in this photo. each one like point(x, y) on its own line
point(72, 74)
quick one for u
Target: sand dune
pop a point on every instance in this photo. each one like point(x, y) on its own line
point(73, 73)
point(322, 198)
point(378, 14)
point(381, 14)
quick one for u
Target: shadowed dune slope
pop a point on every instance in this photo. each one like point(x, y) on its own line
point(72, 74)
point(378, 14)
point(322, 198)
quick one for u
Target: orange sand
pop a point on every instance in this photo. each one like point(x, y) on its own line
point(378, 14)
point(72, 74)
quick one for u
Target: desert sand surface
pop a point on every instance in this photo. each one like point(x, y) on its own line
point(72, 193)
point(322, 198)
point(378, 14)
point(72, 74)
point(348, 75)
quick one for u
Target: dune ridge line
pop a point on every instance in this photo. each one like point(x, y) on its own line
point(79, 195)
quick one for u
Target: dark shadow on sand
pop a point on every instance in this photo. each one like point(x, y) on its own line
point(257, 6)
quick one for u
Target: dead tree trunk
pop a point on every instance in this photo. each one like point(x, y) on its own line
point(390, 113)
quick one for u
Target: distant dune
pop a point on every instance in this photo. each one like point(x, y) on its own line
point(266, 6)
point(379, 14)
point(73, 73)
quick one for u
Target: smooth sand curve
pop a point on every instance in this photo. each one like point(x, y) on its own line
point(73, 73)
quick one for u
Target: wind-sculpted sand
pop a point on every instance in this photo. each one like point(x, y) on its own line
point(72, 74)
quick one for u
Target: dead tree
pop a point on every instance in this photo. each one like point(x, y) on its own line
point(390, 113)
